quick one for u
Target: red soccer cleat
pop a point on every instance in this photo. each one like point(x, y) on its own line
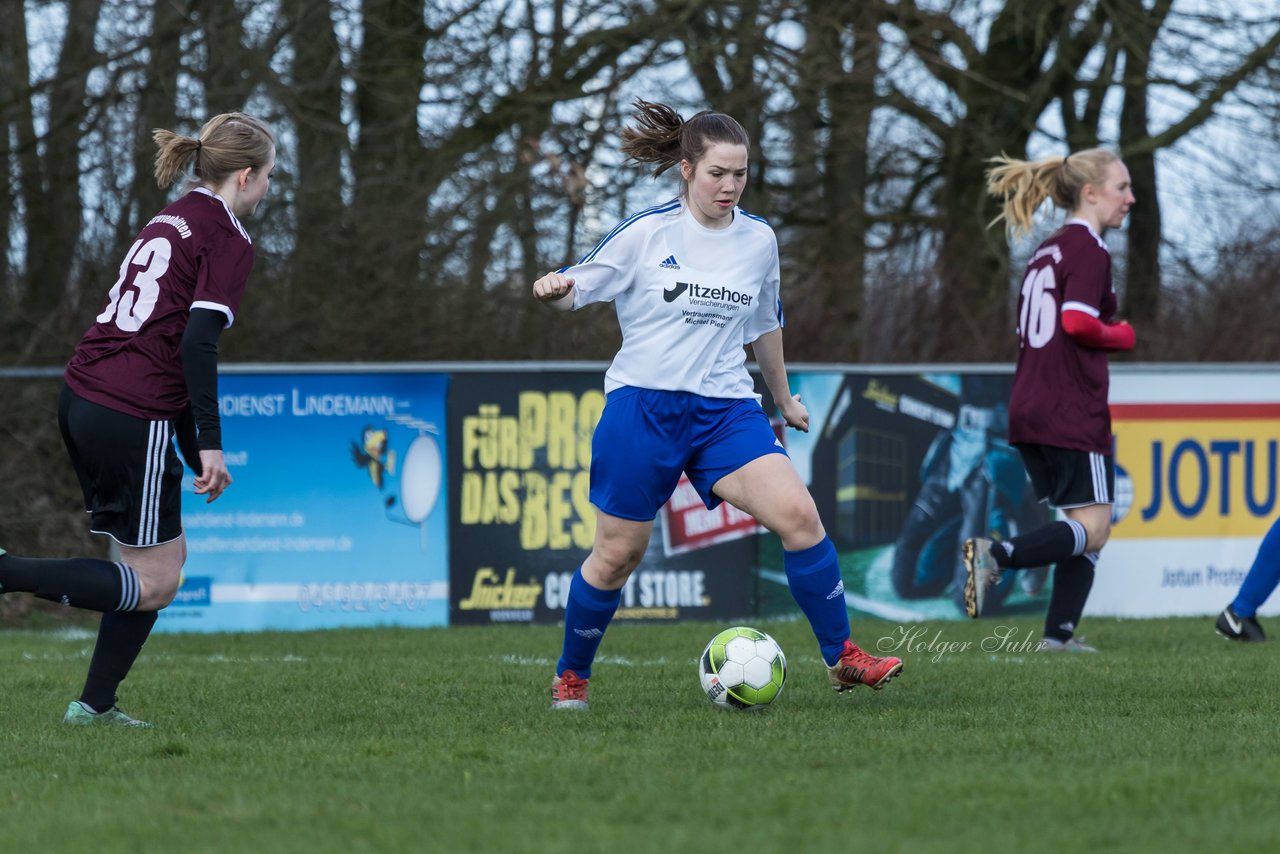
point(568, 691)
point(856, 667)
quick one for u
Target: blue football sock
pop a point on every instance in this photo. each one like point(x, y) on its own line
point(1263, 576)
point(814, 576)
point(586, 617)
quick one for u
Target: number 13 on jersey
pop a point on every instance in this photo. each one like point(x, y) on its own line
point(130, 308)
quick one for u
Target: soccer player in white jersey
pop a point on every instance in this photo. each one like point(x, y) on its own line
point(693, 281)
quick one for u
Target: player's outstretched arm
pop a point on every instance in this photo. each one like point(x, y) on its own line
point(554, 289)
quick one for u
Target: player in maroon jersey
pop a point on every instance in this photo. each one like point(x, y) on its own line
point(1059, 418)
point(144, 374)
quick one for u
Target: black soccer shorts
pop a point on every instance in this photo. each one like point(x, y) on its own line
point(1067, 478)
point(128, 470)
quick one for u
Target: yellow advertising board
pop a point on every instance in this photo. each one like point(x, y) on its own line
point(1195, 469)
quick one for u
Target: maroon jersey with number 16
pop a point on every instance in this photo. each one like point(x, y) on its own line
point(1060, 387)
point(193, 254)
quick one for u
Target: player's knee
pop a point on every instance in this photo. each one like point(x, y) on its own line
point(799, 525)
point(157, 593)
point(611, 562)
point(620, 558)
point(1098, 534)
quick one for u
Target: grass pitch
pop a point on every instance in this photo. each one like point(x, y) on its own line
point(441, 740)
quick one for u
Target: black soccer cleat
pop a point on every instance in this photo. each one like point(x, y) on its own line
point(1245, 629)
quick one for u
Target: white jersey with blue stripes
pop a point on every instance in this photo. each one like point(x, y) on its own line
point(688, 298)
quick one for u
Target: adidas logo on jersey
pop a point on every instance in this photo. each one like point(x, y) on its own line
point(670, 263)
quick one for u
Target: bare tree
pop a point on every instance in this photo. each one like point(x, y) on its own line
point(157, 108)
point(312, 100)
point(231, 68)
point(435, 157)
point(1141, 33)
point(15, 102)
point(51, 169)
point(1136, 31)
point(994, 97)
point(826, 222)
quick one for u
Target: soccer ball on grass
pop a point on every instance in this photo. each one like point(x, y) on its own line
point(742, 668)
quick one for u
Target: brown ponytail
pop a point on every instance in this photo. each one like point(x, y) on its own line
point(662, 137)
point(227, 143)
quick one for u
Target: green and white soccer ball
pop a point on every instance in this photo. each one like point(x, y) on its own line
point(742, 668)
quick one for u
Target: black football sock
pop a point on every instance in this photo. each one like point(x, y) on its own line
point(97, 585)
point(1046, 545)
point(120, 638)
point(1072, 581)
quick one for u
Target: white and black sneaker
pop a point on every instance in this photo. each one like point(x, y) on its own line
point(1071, 644)
point(1233, 627)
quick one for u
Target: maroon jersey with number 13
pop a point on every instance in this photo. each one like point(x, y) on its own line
point(193, 254)
point(1060, 387)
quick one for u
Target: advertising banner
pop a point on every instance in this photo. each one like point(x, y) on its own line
point(419, 498)
point(521, 519)
point(336, 515)
point(903, 467)
point(1196, 472)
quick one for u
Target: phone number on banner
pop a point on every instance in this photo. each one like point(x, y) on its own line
point(360, 596)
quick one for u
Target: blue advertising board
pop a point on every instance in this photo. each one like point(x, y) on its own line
point(337, 514)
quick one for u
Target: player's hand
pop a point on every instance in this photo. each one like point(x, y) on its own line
point(552, 286)
point(795, 414)
point(214, 478)
point(1126, 337)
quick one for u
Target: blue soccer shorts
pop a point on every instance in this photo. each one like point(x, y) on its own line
point(646, 438)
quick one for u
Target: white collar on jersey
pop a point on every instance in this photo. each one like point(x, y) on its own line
point(226, 207)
